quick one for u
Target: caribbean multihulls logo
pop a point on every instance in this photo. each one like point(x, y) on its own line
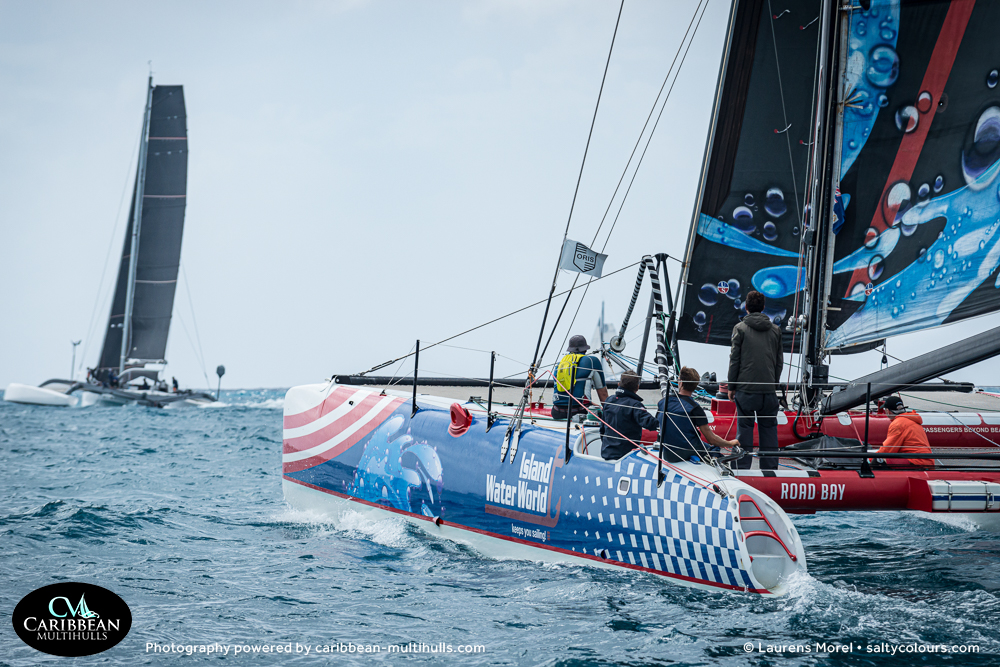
point(63, 619)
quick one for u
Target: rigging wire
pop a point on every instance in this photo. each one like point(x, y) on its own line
point(639, 164)
point(798, 210)
point(636, 171)
point(576, 190)
point(480, 326)
point(194, 320)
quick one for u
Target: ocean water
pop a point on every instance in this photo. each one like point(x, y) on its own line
point(180, 512)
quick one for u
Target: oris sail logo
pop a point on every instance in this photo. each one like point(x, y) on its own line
point(71, 619)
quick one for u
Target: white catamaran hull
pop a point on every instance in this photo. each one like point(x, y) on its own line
point(23, 393)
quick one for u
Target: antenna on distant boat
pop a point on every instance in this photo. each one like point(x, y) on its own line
point(72, 366)
point(220, 370)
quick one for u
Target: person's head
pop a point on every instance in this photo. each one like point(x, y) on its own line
point(894, 407)
point(755, 301)
point(629, 381)
point(689, 379)
point(577, 345)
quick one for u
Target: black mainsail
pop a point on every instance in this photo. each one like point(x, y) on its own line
point(919, 244)
point(160, 196)
point(890, 120)
point(747, 225)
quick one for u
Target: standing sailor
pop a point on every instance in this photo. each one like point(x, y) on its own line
point(755, 361)
point(576, 375)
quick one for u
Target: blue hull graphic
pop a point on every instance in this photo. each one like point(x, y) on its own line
point(612, 513)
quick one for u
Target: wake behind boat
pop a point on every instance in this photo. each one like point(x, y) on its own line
point(135, 339)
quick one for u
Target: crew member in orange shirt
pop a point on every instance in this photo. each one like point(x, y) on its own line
point(906, 435)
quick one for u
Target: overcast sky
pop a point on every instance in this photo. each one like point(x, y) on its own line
point(361, 174)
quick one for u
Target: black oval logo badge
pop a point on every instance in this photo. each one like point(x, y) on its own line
point(71, 619)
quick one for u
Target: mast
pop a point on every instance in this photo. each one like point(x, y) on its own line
point(136, 224)
point(815, 240)
point(844, 21)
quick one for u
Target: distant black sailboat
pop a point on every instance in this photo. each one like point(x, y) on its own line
point(135, 339)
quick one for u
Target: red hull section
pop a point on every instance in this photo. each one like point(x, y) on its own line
point(944, 429)
point(809, 491)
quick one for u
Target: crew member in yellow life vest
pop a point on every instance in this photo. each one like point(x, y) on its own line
point(577, 374)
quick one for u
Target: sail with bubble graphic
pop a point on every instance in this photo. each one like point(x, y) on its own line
point(920, 242)
point(747, 228)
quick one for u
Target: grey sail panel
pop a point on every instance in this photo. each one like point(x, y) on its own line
point(160, 236)
point(111, 352)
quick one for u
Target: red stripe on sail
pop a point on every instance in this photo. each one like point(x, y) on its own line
point(935, 78)
point(354, 439)
point(336, 397)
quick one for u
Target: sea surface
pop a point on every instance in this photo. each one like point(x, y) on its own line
point(180, 512)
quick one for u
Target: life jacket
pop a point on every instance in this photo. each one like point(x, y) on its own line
point(566, 373)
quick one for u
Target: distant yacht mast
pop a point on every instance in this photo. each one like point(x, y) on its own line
point(136, 224)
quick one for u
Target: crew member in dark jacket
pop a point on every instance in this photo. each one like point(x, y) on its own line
point(686, 431)
point(755, 362)
point(624, 414)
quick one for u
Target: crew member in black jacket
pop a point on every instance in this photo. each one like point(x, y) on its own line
point(624, 414)
point(754, 371)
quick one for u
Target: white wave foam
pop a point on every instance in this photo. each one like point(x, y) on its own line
point(386, 530)
point(967, 522)
point(266, 404)
point(372, 525)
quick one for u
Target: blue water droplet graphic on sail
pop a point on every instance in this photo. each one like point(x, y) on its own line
point(718, 231)
point(743, 220)
point(925, 293)
point(708, 294)
point(774, 203)
point(776, 282)
point(872, 67)
point(770, 231)
point(883, 66)
point(983, 149)
point(907, 119)
point(991, 79)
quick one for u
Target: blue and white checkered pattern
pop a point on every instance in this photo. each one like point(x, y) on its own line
point(679, 528)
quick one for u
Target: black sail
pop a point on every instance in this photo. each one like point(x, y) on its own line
point(746, 228)
point(160, 235)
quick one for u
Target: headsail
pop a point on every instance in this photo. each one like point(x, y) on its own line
point(746, 231)
point(920, 242)
point(161, 230)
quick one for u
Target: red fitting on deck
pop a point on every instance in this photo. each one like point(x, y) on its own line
point(461, 420)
